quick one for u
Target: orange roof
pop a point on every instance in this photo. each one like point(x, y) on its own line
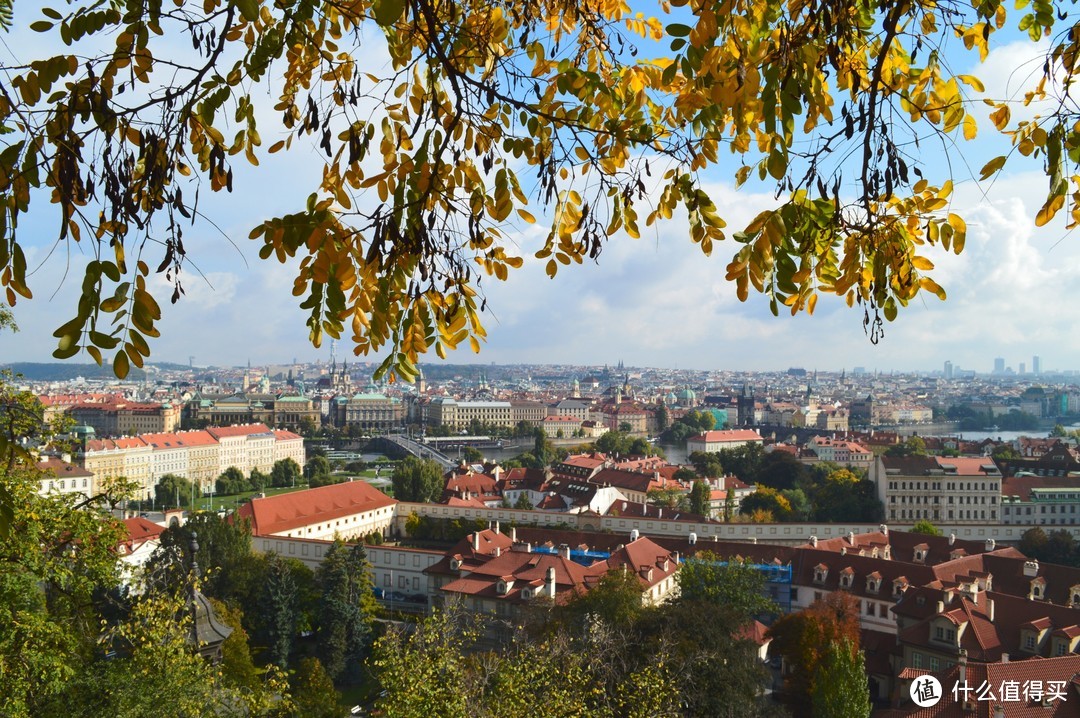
point(132, 442)
point(282, 435)
point(275, 514)
point(140, 530)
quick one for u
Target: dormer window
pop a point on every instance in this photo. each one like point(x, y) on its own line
point(455, 564)
point(920, 553)
point(846, 577)
point(898, 587)
point(1074, 596)
point(1038, 590)
point(526, 594)
point(873, 583)
point(821, 572)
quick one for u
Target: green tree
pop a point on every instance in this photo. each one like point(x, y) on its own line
point(914, 446)
point(317, 467)
point(1033, 543)
point(346, 611)
point(472, 455)
point(55, 556)
point(1004, 452)
point(257, 480)
point(615, 599)
point(781, 470)
point(417, 480)
point(523, 502)
point(413, 668)
point(923, 526)
point(669, 498)
point(173, 490)
point(232, 481)
point(700, 498)
point(224, 556)
point(313, 693)
point(767, 500)
point(840, 689)
point(237, 667)
point(285, 472)
point(663, 419)
point(543, 449)
point(708, 578)
point(277, 610)
point(707, 463)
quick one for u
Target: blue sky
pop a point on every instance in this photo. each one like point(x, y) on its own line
point(656, 301)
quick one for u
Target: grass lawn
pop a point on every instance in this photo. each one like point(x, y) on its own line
point(232, 501)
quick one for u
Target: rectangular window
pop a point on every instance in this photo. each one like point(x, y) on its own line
point(916, 660)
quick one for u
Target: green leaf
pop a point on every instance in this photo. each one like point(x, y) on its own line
point(777, 164)
point(120, 365)
point(387, 12)
point(678, 30)
point(249, 9)
point(41, 26)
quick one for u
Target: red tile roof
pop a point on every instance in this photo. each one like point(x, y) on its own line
point(275, 514)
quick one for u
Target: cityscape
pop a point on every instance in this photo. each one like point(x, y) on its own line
point(938, 508)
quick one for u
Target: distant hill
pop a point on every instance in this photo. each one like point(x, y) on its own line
point(66, 371)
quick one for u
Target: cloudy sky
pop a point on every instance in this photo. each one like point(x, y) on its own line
point(656, 301)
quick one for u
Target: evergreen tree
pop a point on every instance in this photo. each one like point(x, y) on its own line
point(286, 472)
point(277, 603)
point(840, 689)
point(345, 612)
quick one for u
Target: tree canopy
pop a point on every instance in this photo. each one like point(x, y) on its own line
point(443, 128)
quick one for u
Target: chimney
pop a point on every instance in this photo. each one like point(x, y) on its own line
point(564, 551)
point(496, 527)
point(549, 583)
point(813, 541)
point(962, 661)
point(659, 512)
point(851, 537)
point(1031, 568)
point(990, 612)
point(693, 538)
point(990, 544)
point(513, 533)
point(476, 541)
point(677, 557)
point(1004, 657)
point(498, 551)
point(884, 529)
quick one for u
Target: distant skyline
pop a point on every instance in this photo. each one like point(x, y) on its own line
point(655, 301)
